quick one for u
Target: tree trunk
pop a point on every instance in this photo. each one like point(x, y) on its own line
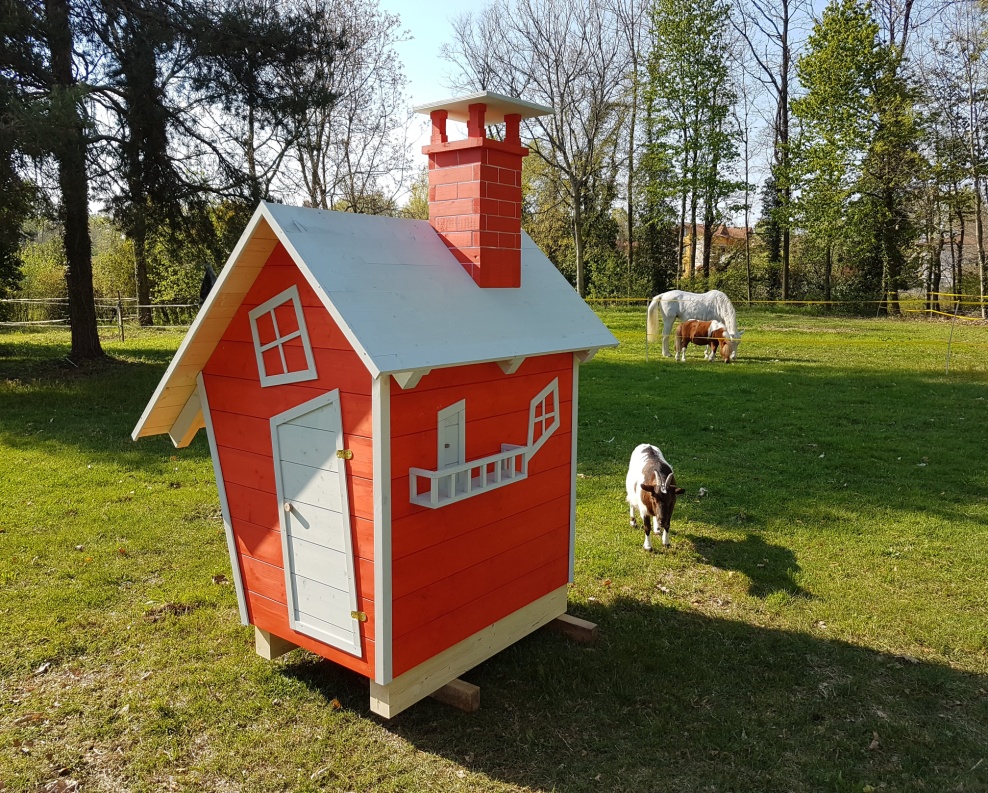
point(958, 274)
point(980, 234)
point(144, 315)
point(581, 286)
point(828, 270)
point(708, 238)
point(73, 183)
point(936, 265)
point(681, 238)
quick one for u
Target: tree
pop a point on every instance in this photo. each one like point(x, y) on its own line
point(70, 148)
point(691, 96)
point(354, 151)
point(766, 29)
point(857, 156)
point(251, 60)
point(564, 54)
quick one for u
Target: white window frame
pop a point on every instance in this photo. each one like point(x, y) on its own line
point(457, 408)
point(552, 417)
point(268, 307)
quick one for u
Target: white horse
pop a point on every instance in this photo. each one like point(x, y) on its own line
point(712, 305)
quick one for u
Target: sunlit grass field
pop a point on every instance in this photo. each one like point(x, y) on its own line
point(819, 623)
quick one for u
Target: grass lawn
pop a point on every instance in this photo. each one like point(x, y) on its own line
point(819, 623)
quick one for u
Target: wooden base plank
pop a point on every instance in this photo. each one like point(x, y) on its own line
point(460, 694)
point(270, 646)
point(415, 684)
point(580, 631)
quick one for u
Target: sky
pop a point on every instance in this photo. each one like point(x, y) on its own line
point(428, 26)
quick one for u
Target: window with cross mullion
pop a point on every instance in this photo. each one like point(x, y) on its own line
point(281, 340)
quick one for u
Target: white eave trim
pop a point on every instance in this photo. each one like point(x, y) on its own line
point(215, 294)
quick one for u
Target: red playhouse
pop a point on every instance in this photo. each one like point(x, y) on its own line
point(391, 408)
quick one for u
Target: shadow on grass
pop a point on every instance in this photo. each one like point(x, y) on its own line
point(48, 402)
point(676, 701)
point(770, 568)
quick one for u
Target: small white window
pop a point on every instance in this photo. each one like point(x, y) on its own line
point(543, 416)
point(281, 341)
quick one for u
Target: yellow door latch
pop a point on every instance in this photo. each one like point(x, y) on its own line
point(359, 616)
point(344, 454)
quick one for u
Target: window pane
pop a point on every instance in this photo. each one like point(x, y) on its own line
point(272, 362)
point(265, 329)
point(287, 318)
point(295, 355)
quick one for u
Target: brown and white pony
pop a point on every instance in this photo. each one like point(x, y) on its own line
point(711, 334)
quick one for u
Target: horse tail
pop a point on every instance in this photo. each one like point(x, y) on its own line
point(652, 332)
point(727, 314)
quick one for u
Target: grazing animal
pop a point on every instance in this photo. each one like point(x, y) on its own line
point(691, 305)
point(711, 335)
point(652, 490)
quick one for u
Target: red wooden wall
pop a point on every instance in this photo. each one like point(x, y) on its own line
point(241, 410)
point(459, 568)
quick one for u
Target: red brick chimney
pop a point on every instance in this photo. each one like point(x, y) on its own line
point(475, 184)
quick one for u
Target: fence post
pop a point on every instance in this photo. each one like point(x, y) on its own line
point(120, 316)
point(957, 307)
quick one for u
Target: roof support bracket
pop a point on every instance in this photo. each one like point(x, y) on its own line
point(510, 365)
point(586, 356)
point(188, 423)
point(411, 378)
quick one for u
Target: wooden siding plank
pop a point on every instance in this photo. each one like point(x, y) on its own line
point(343, 368)
point(268, 581)
point(416, 412)
point(420, 679)
point(474, 584)
point(469, 626)
point(245, 397)
point(268, 615)
point(455, 376)
point(474, 546)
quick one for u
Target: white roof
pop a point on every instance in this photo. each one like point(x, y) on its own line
point(498, 106)
point(397, 293)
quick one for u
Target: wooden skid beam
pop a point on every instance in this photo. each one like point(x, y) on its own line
point(270, 646)
point(460, 694)
point(580, 631)
point(415, 684)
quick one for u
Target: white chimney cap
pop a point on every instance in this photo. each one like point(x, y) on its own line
point(498, 106)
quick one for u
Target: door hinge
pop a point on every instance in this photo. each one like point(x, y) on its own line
point(359, 616)
point(344, 454)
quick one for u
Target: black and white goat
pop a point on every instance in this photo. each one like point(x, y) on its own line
point(652, 491)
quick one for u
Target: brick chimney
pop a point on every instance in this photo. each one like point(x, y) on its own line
point(475, 184)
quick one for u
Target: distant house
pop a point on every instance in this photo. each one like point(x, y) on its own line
point(391, 407)
point(724, 243)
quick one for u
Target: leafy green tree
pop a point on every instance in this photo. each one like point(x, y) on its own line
point(856, 156)
point(690, 94)
point(417, 205)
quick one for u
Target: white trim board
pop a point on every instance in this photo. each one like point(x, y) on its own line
point(231, 542)
point(381, 422)
point(574, 407)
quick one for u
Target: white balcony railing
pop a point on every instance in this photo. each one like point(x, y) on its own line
point(468, 479)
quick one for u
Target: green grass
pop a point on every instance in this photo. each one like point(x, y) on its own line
point(820, 622)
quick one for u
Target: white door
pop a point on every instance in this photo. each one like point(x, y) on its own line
point(452, 442)
point(315, 520)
